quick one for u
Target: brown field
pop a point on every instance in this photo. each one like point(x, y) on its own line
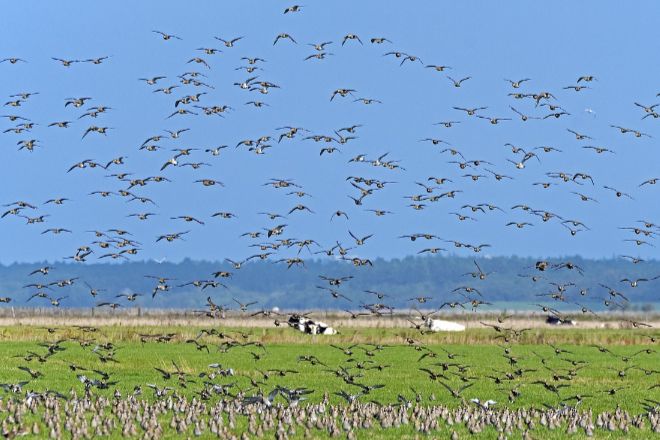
point(182, 318)
point(128, 323)
point(175, 317)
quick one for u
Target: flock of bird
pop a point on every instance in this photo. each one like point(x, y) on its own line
point(131, 418)
point(276, 240)
point(188, 95)
point(214, 398)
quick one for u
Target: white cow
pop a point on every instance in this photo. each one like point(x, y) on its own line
point(438, 325)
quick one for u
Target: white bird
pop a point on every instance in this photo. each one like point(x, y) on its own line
point(485, 405)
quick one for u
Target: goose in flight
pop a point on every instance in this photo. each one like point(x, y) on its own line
point(360, 241)
point(229, 43)
point(227, 215)
point(651, 181)
point(56, 201)
point(493, 120)
point(142, 216)
point(523, 116)
point(65, 63)
point(342, 93)
point(411, 58)
point(76, 102)
point(171, 237)
point(209, 50)
point(97, 61)
point(187, 218)
point(368, 101)
point(153, 80)
point(319, 47)
point(166, 36)
point(447, 124)
point(617, 192)
point(519, 225)
point(166, 90)
point(12, 60)
point(579, 136)
point(60, 124)
point(459, 82)
point(586, 78)
point(244, 306)
point(209, 182)
point(433, 250)
point(480, 274)
point(516, 84)
point(351, 37)
point(576, 87)
point(199, 60)
point(334, 293)
point(470, 111)
point(437, 68)
point(95, 129)
point(56, 231)
point(284, 36)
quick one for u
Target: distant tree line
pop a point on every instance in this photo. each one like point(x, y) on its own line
point(508, 280)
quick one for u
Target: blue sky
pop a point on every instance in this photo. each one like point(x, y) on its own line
point(553, 44)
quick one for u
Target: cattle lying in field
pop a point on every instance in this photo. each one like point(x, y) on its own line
point(438, 325)
point(309, 326)
point(554, 320)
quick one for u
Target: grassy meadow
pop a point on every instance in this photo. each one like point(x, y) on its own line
point(482, 355)
point(603, 369)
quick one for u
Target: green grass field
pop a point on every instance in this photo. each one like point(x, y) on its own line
point(631, 366)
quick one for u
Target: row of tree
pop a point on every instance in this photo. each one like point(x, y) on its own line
point(508, 280)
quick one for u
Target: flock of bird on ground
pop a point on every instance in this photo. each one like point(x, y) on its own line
point(186, 96)
point(211, 399)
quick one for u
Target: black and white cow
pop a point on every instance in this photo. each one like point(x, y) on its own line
point(310, 327)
